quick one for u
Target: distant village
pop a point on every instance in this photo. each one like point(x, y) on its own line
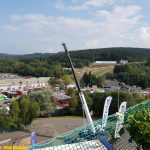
point(13, 86)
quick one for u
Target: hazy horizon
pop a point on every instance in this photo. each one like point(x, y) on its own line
point(69, 50)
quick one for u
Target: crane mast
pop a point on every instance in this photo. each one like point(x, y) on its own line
point(83, 101)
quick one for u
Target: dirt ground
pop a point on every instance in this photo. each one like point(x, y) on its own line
point(45, 128)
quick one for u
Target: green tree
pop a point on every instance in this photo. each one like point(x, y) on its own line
point(33, 111)
point(75, 105)
point(45, 101)
point(99, 99)
point(67, 79)
point(90, 79)
point(73, 102)
point(109, 75)
point(57, 71)
point(133, 74)
point(148, 62)
point(138, 126)
point(54, 81)
point(22, 112)
point(29, 110)
point(24, 108)
point(88, 100)
point(100, 81)
point(14, 113)
point(6, 122)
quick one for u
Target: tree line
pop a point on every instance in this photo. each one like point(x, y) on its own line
point(22, 113)
point(83, 58)
point(51, 65)
point(31, 67)
point(41, 104)
point(90, 79)
point(95, 102)
point(133, 74)
point(24, 110)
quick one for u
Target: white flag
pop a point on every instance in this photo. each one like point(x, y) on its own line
point(120, 116)
point(106, 111)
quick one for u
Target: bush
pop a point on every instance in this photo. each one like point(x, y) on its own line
point(138, 126)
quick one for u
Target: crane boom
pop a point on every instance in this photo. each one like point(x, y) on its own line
point(84, 104)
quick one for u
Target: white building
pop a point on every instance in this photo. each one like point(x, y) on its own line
point(123, 61)
point(106, 62)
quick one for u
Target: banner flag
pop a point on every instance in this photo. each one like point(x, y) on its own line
point(120, 117)
point(33, 139)
point(106, 111)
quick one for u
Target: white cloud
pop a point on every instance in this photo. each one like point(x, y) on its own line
point(60, 5)
point(85, 4)
point(106, 29)
point(142, 37)
point(97, 3)
point(121, 19)
point(144, 33)
point(42, 23)
point(11, 28)
point(15, 17)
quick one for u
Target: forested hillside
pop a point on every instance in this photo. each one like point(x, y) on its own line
point(132, 54)
point(30, 67)
point(85, 57)
point(134, 74)
point(50, 64)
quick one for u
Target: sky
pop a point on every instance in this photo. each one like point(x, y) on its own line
point(33, 26)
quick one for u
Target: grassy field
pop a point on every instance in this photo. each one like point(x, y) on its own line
point(100, 72)
point(97, 70)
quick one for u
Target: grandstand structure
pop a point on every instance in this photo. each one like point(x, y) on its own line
point(83, 139)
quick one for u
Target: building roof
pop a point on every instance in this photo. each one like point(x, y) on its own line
point(61, 96)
